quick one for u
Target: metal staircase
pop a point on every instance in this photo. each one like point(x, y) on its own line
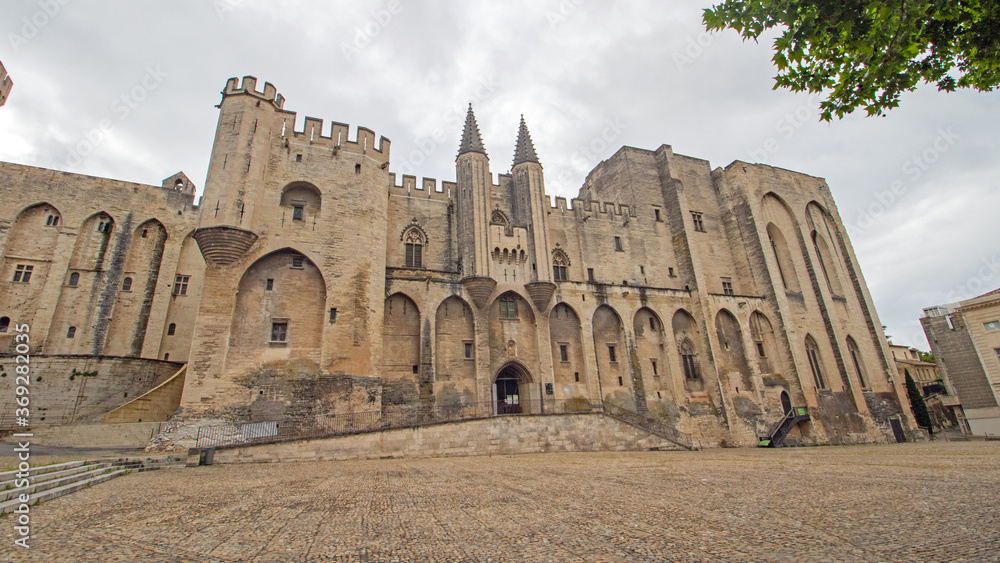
point(791, 419)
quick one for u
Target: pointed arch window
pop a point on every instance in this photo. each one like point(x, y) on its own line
point(812, 352)
point(689, 359)
point(414, 249)
point(560, 262)
point(859, 366)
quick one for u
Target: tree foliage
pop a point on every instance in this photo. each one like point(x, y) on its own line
point(917, 404)
point(866, 53)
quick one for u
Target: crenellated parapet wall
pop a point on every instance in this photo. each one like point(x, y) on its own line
point(585, 209)
point(249, 87)
point(407, 185)
point(337, 139)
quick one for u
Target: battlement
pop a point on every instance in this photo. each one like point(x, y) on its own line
point(427, 187)
point(249, 87)
point(337, 139)
point(582, 208)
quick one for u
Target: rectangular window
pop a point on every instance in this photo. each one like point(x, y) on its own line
point(297, 262)
point(642, 270)
point(414, 255)
point(699, 225)
point(727, 287)
point(559, 273)
point(564, 352)
point(690, 368)
point(297, 213)
point(298, 158)
point(760, 350)
point(997, 350)
point(576, 376)
point(181, 285)
point(611, 353)
point(333, 314)
point(991, 326)
point(590, 274)
point(269, 285)
point(656, 212)
point(22, 273)
point(279, 331)
point(656, 372)
point(618, 244)
point(468, 350)
point(508, 309)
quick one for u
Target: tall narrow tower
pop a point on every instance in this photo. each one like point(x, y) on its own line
point(235, 182)
point(474, 180)
point(529, 187)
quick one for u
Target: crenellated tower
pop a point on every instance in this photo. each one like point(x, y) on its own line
point(236, 171)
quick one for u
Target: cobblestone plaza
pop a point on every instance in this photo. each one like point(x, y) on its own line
point(904, 502)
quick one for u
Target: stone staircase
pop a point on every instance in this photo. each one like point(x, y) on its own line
point(52, 481)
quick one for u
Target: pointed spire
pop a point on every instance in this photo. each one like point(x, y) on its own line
point(472, 141)
point(524, 151)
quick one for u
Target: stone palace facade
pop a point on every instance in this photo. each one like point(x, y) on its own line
point(311, 280)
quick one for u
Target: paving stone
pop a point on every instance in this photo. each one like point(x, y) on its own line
point(901, 502)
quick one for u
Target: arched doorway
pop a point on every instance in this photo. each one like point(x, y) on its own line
point(786, 402)
point(510, 390)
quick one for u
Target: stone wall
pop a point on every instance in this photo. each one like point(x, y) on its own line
point(493, 436)
point(81, 389)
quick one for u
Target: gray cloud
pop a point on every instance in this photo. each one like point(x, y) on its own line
point(570, 67)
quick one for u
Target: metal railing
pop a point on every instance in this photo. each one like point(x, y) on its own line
point(647, 421)
point(231, 434)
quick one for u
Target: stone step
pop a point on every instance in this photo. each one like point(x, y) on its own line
point(47, 476)
point(44, 496)
point(36, 470)
point(39, 486)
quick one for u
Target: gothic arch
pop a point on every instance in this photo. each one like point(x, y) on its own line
point(285, 322)
point(565, 336)
point(454, 352)
point(732, 357)
point(401, 350)
point(302, 193)
point(127, 329)
point(650, 344)
point(827, 264)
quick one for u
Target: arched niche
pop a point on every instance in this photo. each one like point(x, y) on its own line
point(183, 310)
point(612, 358)
point(93, 243)
point(787, 273)
point(732, 360)
point(35, 232)
point(650, 343)
point(127, 329)
point(302, 194)
point(281, 324)
point(567, 351)
point(400, 351)
point(512, 330)
point(828, 264)
point(454, 354)
point(688, 340)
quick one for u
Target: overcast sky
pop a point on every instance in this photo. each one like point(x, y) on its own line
point(581, 71)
